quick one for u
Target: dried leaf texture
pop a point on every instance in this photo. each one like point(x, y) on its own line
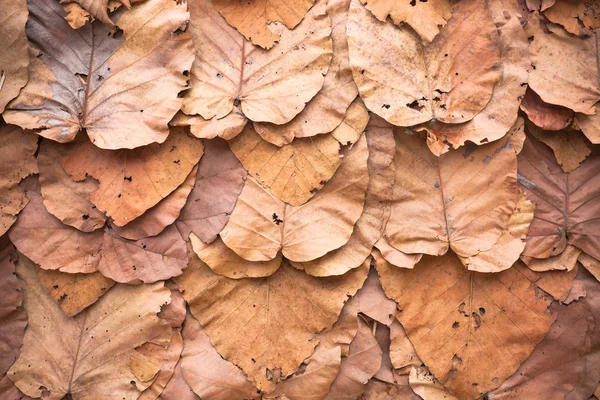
point(327, 109)
point(226, 128)
point(589, 126)
point(408, 83)
point(93, 355)
point(472, 330)
point(424, 384)
point(95, 9)
point(261, 225)
point(13, 318)
point(373, 302)
point(567, 205)
point(132, 181)
point(395, 256)
point(569, 147)
point(270, 86)
point(219, 182)
point(566, 66)
point(14, 48)
point(578, 18)
point(177, 388)
point(17, 149)
point(461, 200)
point(253, 19)
point(76, 15)
point(121, 88)
point(279, 316)
point(425, 17)
point(377, 390)
point(544, 115)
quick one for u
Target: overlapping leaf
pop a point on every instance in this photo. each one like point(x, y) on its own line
point(14, 49)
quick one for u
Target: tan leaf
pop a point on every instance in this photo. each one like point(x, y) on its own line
point(423, 383)
point(568, 146)
point(73, 293)
point(506, 251)
point(567, 260)
point(373, 301)
point(76, 15)
point(224, 261)
point(370, 225)
point(327, 109)
point(402, 352)
point(386, 371)
point(426, 18)
point(500, 114)
point(395, 256)
point(344, 329)
point(472, 330)
point(14, 48)
point(358, 367)
point(252, 19)
point(293, 172)
point(557, 284)
point(577, 17)
point(591, 264)
point(226, 128)
point(565, 66)
point(95, 9)
point(87, 356)
point(544, 115)
point(266, 326)
point(408, 83)
point(163, 214)
point(567, 205)
point(66, 199)
point(177, 388)
point(132, 181)
point(377, 390)
point(121, 88)
point(17, 149)
point(146, 260)
point(48, 242)
point(461, 200)
point(589, 126)
point(219, 181)
point(268, 86)
point(539, 5)
point(261, 225)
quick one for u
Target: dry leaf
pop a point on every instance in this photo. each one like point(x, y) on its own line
point(226, 128)
point(450, 80)
point(132, 181)
point(569, 146)
point(376, 390)
point(577, 17)
point(472, 330)
point(373, 301)
point(266, 326)
point(423, 383)
point(93, 353)
point(566, 204)
point(66, 199)
point(261, 225)
point(74, 292)
point(589, 126)
point(591, 264)
point(17, 149)
point(48, 242)
point(395, 256)
point(558, 284)
point(76, 15)
point(270, 86)
point(14, 49)
point(461, 200)
point(402, 352)
point(253, 18)
point(500, 114)
point(121, 88)
point(177, 388)
point(219, 181)
point(567, 260)
point(386, 371)
point(157, 218)
point(146, 260)
point(94, 9)
point(544, 115)
point(565, 67)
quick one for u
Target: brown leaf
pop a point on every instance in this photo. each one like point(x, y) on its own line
point(14, 48)
point(577, 17)
point(395, 256)
point(208, 374)
point(544, 115)
point(268, 86)
point(373, 301)
point(252, 19)
point(76, 15)
point(279, 316)
point(17, 149)
point(226, 128)
point(423, 383)
point(500, 114)
point(132, 181)
point(146, 260)
point(95, 9)
point(74, 292)
point(90, 354)
point(567, 260)
point(8, 390)
point(591, 264)
point(261, 225)
point(412, 83)
point(376, 390)
point(472, 330)
point(121, 88)
point(219, 181)
point(402, 352)
point(589, 126)
point(565, 66)
point(66, 199)
point(48, 242)
point(566, 204)
point(163, 214)
point(344, 329)
point(461, 200)
point(386, 371)
point(426, 18)
point(327, 109)
point(558, 284)
point(13, 318)
point(177, 388)
point(369, 227)
point(505, 252)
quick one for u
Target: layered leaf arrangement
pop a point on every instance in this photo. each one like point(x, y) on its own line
point(315, 199)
